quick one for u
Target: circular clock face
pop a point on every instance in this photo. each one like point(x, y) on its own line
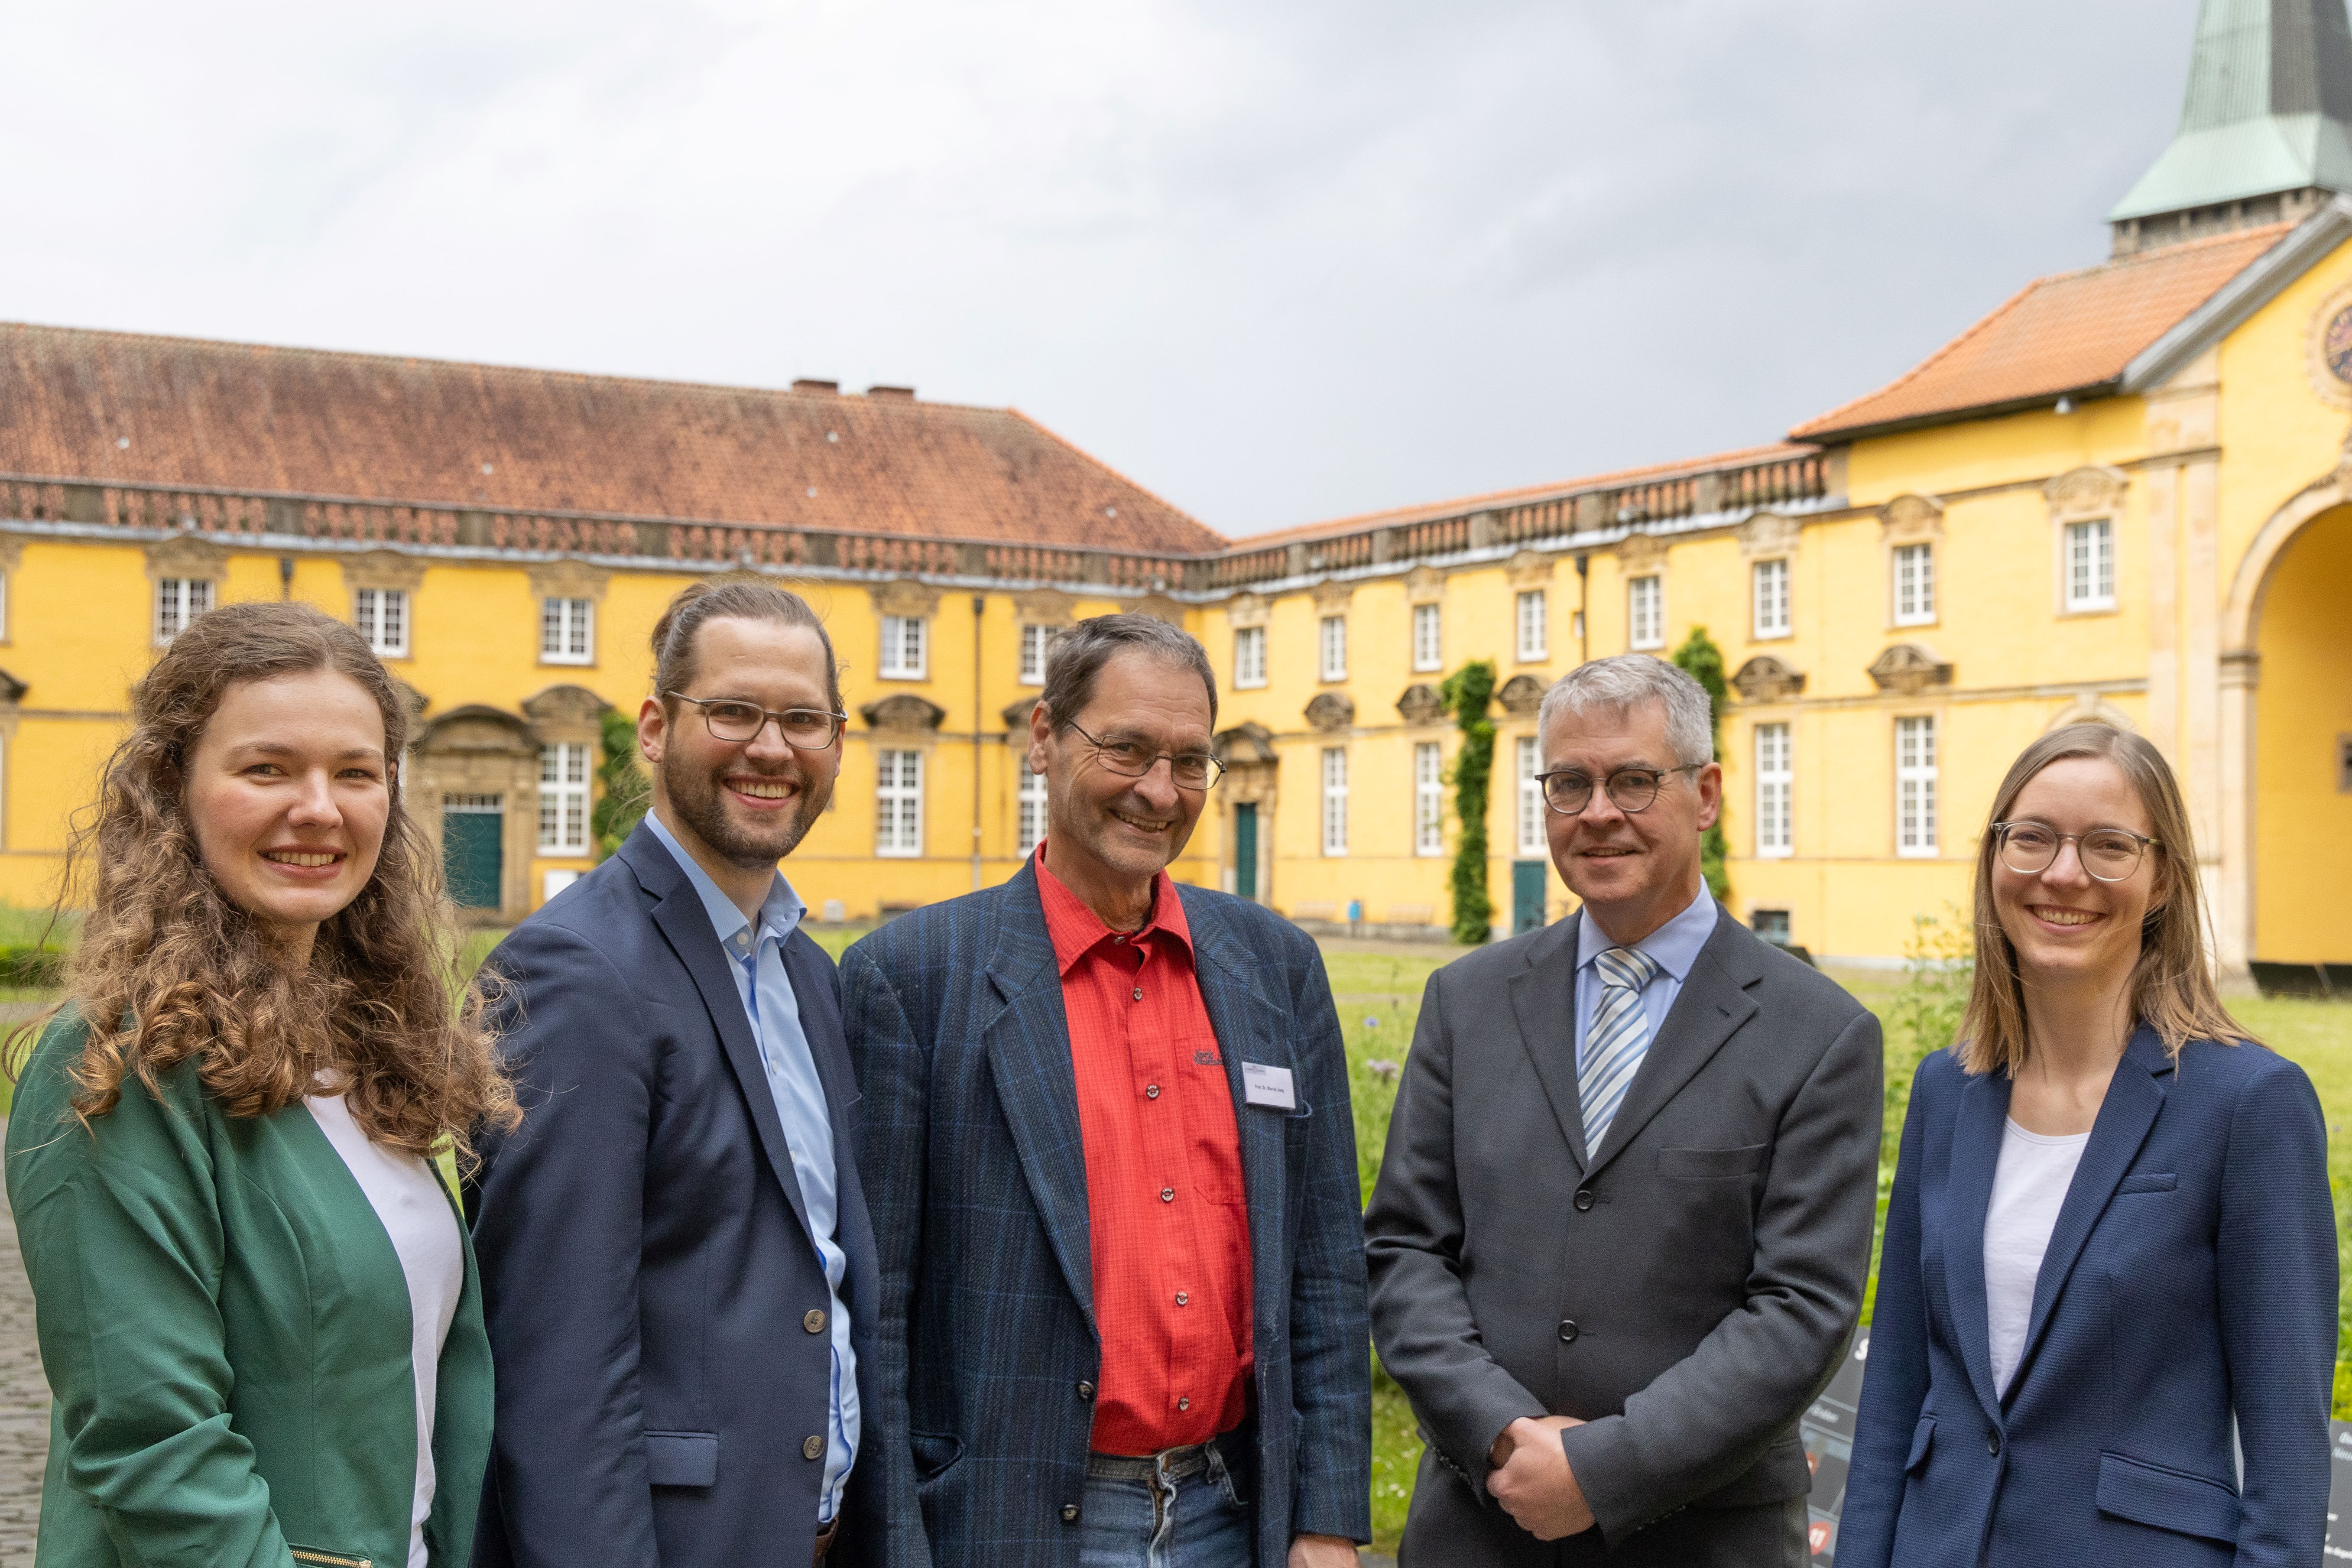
point(2336, 345)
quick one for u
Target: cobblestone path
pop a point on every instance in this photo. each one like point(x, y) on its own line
point(24, 1407)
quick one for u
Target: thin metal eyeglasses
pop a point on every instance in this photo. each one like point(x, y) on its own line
point(2110, 854)
point(736, 721)
point(1630, 790)
point(1186, 770)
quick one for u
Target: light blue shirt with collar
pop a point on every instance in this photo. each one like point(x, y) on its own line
point(775, 1018)
point(1673, 945)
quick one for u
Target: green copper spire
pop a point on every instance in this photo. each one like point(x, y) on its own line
point(2268, 114)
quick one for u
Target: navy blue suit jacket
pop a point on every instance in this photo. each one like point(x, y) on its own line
point(976, 1165)
point(645, 1257)
point(2191, 1273)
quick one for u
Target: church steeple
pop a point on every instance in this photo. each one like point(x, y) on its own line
point(2265, 130)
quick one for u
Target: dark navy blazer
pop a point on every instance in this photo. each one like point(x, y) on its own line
point(646, 1259)
point(976, 1165)
point(2192, 1274)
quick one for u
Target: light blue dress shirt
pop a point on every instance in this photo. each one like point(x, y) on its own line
point(1675, 945)
point(775, 1015)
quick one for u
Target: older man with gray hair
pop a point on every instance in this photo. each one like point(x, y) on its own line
point(1620, 1236)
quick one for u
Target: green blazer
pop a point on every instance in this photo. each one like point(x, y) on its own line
point(226, 1327)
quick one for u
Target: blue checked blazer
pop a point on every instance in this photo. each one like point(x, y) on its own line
point(975, 1170)
point(2191, 1275)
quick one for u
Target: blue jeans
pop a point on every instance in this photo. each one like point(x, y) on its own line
point(1187, 1507)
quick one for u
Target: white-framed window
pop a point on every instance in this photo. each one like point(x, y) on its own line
point(1770, 580)
point(1645, 611)
point(1335, 800)
point(1534, 620)
point(564, 797)
point(904, 648)
point(1775, 778)
point(1914, 585)
point(1530, 813)
point(1576, 625)
point(1914, 787)
point(567, 631)
point(4, 606)
point(1249, 658)
point(1036, 642)
point(1029, 810)
point(2091, 564)
point(1428, 637)
point(178, 601)
point(381, 617)
point(1428, 798)
point(899, 803)
point(1333, 642)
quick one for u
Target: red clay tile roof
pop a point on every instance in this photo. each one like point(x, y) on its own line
point(239, 417)
point(1402, 516)
point(2072, 332)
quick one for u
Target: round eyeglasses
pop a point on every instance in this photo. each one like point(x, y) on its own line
point(1187, 770)
point(736, 721)
point(1631, 790)
point(2110, 854)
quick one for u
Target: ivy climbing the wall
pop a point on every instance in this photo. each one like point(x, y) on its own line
point(1703, 662)
point(1467, 693)
point(626, 791)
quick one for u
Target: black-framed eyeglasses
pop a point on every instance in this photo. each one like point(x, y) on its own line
point(734, 721)
point(1569, 792)
point(2110, 854)
point(1188, 770)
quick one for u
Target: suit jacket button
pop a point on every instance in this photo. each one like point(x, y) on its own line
point(812, 1447)
point(1992, 1443)
point(1583, 1199)
point(1567, 1331)
point(813, 1321)
point(1085, 1391)
point(1069, 1514)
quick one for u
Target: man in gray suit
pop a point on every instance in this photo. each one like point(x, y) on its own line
point(1620, 1234)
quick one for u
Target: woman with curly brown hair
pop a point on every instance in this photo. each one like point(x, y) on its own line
point(257, 1306)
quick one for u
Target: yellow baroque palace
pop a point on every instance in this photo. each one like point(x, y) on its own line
point(2126, 494)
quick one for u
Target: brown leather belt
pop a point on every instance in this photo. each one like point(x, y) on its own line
point(825, 1539)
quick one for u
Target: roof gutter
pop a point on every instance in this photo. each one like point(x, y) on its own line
point(2040, 400)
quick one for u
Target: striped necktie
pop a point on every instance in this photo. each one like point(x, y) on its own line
point(1617, 1040)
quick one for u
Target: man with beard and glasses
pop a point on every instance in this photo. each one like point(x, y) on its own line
point(1106, 1129)
point(678, 1270)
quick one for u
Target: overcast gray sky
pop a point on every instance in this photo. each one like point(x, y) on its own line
point(1277, 261)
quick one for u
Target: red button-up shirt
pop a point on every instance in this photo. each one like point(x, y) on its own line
point(1164, 1200)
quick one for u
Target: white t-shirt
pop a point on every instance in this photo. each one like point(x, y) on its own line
point(414, 1206)
point(2028, 1185)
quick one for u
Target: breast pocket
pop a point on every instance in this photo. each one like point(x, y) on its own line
point(1212, 1144)
point(1705, 1163)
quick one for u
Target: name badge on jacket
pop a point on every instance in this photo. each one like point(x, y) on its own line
point(1267, 1085)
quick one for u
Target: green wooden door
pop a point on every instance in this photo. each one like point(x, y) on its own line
point(472, 857)
point(1526, 896)
point(1246, 850)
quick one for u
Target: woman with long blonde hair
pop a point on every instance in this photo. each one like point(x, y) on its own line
point(2110, 1248)
point(257, 1307)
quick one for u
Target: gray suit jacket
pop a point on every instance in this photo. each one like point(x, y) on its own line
point(1687, 1289)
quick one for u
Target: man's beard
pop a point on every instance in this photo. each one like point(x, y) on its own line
point(701, 804)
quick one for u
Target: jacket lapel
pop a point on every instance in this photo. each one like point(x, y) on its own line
point(679, 916)
point(2134, 1095)
point(1543, 1001)
point(1976, 1153)
point(1249, 1028)
point(1712, 1004)
point(1027, 1037)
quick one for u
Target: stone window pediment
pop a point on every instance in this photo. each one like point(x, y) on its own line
point(1909, 668)
point(390, 569)
point(1044, 607)
point(1017, 715)
point(478, 727)
point(1160, 607)
point(1641, 553)
point(1420, 704)
point(566, 712)
point(1521, 696)
point(1246, 610)
point(1330, 711)
point(1243, 744)
point(1911, 518)
point(1766, 679)
point(2090, 492)
point(903, 713)
point(1424, 584)
point(186, 557)
point(906, 598)
point(565, 579)
point(11, 691)
point(1767, 535)
point(1331, 596)
point(1528, 570)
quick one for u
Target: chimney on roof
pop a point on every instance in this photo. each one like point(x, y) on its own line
point(902, 394)
point(806, 385)
point(2265, 130)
